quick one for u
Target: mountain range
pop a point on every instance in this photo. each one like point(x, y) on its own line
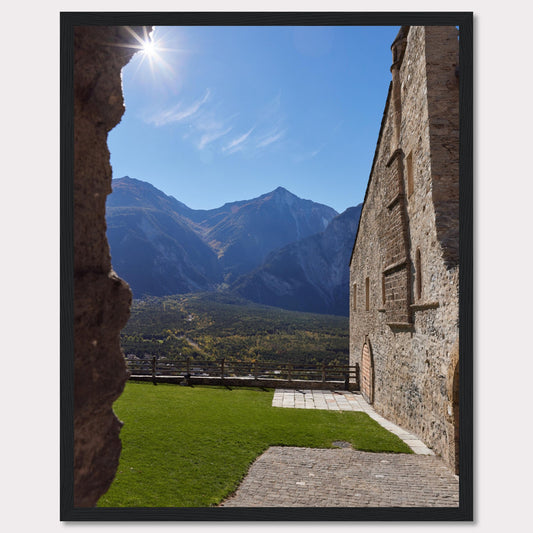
point(276, 249)
point(311, 274)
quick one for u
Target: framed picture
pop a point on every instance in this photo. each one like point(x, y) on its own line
point(266, 252)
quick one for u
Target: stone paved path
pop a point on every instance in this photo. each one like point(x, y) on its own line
point(308, 477)
point(344, 401)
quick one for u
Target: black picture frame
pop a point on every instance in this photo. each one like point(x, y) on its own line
point(464, 20)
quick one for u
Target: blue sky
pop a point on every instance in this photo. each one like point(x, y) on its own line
point(229, 113)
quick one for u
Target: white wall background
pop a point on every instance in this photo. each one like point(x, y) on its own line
point(29, 220)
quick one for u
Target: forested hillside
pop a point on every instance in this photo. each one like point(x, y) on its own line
point(211, 326)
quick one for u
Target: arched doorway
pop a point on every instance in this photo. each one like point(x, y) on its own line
point(367, 372)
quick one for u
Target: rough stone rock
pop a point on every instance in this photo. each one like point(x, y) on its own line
point(101, 299)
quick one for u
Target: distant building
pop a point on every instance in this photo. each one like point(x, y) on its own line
point(404, 270)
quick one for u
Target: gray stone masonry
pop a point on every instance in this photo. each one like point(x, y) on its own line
point(305, 477)
point(404, 271)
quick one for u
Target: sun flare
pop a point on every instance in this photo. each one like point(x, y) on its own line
point(149, 48)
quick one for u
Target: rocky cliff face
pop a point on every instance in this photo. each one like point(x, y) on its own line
point(163, 247)
point(276, 249)
point(246, 235)
point(159, 254)
point(101, 299)
point(309, 275)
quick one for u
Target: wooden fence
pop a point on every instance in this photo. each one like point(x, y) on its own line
point(242, 373)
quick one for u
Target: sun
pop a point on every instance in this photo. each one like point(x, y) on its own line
point(149, 48)
point(151, 51)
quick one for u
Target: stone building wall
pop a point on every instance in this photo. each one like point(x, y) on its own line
point(101, 299)
point(407, 245)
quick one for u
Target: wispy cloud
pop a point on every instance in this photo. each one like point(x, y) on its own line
point(237, 144)
point(309, 155)
point(270, 139)
point(211, 136)
point(179, 112)
point(209, 125)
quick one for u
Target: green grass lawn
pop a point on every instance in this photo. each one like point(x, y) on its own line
point(191, 447)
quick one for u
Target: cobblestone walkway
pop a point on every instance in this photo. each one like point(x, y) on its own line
point(344, 401)
point(306, 477)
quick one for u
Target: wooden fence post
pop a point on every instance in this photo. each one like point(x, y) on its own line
point(188, 371)
point(154, 359)
point(347, 378)
point(317, 373)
